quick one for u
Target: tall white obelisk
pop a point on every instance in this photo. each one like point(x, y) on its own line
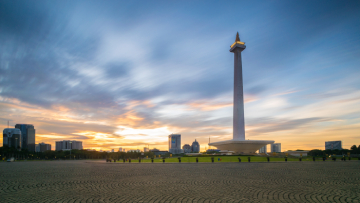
point(238, 144)
point(238, 117)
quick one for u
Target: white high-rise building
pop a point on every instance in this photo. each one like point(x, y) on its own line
point(276, 147)
point(332, 145)
point(175, 144)
point(120, 149)
point(68, 144)
point(263, 150)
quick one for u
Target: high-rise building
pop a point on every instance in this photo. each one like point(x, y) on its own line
point(112, 150)
point(175, 144)
point(186, 148)
point(27, 136)
point(276, 147)
point(263, 150)
point(332, 145)
point(146, 149)
point(120, 149)
point(195, 147)
point(42, 147)
point(12, 138)
point(67, 145)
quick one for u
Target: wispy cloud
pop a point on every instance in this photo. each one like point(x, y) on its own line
point(113, 76)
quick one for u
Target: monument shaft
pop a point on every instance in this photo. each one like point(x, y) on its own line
point(238, 116)
point(238, 144)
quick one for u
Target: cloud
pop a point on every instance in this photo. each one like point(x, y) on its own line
point(87, 71)
point(268, 125)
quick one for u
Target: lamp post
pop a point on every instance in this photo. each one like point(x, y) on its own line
point(70, 149)
point(16, 143)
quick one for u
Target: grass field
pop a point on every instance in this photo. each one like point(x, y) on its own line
point(222, 159)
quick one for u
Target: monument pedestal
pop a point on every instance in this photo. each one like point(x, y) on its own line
point(241, 146)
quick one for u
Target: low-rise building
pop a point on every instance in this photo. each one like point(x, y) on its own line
point(134, 150)
point(297, 153)
point(158, 152)
point(12, 138)
point(42, 147)
point(226, 152)
point(68, 145)
point(186, 148)
point(213, 151)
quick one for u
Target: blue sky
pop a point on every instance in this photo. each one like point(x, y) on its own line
point(126, 74)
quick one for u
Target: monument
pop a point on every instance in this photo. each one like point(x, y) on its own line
point(238, 144)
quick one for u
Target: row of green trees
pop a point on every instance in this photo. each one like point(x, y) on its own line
point(317, 152)
point(7, 152)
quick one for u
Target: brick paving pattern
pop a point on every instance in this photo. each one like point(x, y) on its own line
point(95, 181)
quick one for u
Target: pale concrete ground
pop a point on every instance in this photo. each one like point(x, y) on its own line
point(94, 181)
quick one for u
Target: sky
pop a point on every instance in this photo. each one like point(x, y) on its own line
point(129, 73)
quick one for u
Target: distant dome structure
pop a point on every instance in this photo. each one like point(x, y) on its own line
point(195, 147)
point(187, 148)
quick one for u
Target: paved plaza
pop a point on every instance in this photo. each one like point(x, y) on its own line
point(98, 181)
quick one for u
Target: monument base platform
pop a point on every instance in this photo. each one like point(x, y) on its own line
point(241, 146)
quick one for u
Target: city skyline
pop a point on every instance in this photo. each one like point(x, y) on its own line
point(112, 77)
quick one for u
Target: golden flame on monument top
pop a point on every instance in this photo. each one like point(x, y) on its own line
point(237, 41)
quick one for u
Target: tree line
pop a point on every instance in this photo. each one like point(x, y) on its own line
point(317, 152)
point(8, 152)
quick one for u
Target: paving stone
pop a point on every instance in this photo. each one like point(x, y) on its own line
point(98, 181)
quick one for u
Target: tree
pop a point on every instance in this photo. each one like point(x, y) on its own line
point(354, 148)
point(316, 152)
